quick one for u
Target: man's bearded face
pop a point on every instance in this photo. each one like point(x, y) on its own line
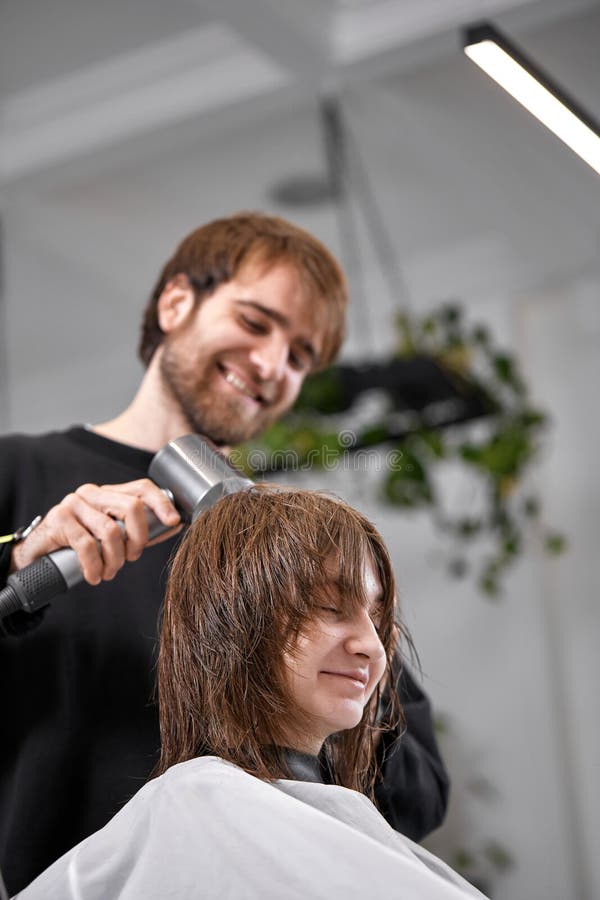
point(238, 362)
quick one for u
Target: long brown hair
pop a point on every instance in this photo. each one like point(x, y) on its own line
point(246, 581)
point(216, 252)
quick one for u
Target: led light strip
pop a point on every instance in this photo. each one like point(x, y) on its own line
point(491, 51)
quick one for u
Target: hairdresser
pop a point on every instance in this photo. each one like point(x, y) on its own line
point(242, 312)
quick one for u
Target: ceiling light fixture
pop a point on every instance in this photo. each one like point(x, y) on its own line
point(534, 90)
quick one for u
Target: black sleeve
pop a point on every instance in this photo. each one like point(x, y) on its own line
point(413, 792)
point(5, 554)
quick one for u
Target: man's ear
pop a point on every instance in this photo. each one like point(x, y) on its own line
point(176, 303)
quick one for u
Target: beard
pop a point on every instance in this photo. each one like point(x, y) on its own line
point(223, 419)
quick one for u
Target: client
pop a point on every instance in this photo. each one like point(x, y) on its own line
point(278, 635)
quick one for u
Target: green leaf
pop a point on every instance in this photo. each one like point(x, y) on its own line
point(512, 544)
point(488, 581)
point(503, 366)
point(407, 345)
point(451, 314)
point(481, 336)
point(555, 543)
point(429, 326)
point(498, 856)
point(503, 455)
point(434, 441)
point(462, 860)
point(407, 485)
point(441, 724)
point(532, 419)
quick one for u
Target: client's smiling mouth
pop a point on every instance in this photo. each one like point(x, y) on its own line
point(358, 676)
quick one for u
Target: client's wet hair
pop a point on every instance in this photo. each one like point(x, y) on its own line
point(247, 579)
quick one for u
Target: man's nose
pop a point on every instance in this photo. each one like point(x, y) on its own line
point(270, 357)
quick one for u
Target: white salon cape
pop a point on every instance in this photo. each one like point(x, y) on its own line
point(207, 829)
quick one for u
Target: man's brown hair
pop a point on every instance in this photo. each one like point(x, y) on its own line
point(247, 580)
point(215, 253)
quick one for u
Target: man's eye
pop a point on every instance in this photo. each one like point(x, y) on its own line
point(253, 325)
point(299, 361)
point(334, 610)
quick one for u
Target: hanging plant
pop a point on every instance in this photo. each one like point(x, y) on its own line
point(444, 372)
point(499, 452)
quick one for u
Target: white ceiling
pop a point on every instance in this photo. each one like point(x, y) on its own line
point(77, 77)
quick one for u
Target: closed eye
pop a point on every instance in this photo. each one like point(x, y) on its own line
point(376, 615)
point(253, 325)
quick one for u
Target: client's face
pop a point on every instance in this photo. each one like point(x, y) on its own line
point(337, 663)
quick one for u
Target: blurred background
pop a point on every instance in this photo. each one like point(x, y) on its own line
point(127, 123)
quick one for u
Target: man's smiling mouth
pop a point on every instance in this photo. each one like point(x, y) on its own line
point(240, 385)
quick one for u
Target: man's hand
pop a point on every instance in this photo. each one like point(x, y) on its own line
point(86, 521)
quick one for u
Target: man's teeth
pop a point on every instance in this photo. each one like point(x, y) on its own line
point(240, 385)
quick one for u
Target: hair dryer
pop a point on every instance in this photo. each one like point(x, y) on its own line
point(193, 474)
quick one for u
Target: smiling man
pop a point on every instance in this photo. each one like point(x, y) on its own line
point(244, 310)
point(246, 307)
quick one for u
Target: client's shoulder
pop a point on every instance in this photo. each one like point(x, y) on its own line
point(204, 774)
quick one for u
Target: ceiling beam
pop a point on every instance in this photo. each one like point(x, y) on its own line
point(295, 35)
point(365, 30)
point(162, 84)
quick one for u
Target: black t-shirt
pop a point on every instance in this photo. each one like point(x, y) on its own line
point(79, 723)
